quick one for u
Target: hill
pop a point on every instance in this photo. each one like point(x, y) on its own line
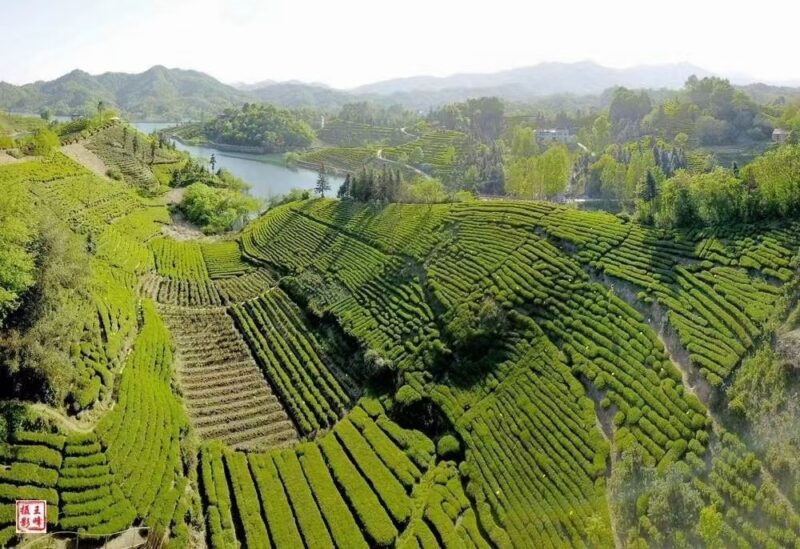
point(583, 78)
point(262, 128)
point(494, 373)
point(156, 94)
point(174, 94)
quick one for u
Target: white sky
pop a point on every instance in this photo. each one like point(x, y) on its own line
point(346, 43)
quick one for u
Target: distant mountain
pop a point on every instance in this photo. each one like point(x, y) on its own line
point(546, 79)
point(174, 94)
point(764, 93)
point(298, 94)
point(156, 94)
point(244, 86)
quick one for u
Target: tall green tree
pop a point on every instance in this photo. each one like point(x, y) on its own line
point(323, 185)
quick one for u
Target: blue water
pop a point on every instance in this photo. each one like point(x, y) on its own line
point(267, 174)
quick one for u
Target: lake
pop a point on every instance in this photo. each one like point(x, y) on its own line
point(267, 174)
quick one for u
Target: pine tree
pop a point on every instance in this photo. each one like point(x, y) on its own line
point(344, 189)
point(322, 182)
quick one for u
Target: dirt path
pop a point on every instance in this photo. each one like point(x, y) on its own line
point(175, 196)
point(183, 229)
point(379, 156)
point(71, 423)
point(86, 158)
point(6, 158)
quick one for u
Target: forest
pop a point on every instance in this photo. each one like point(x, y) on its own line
point(263, 127)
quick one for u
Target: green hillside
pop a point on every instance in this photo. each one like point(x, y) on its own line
point(483, 374)
point(156, 94)
point(261, 127)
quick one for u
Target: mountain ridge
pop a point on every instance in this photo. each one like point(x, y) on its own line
point(162, 93)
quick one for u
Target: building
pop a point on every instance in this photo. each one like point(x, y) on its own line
point(552, 136)
point(779, 135)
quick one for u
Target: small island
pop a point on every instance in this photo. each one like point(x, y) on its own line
point(252, 128)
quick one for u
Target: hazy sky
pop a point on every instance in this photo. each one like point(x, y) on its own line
point(345, 43)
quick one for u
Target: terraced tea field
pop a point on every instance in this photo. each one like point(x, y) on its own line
point(226, 394)
point(440, 150)
point(456, 375)
point(354, 134)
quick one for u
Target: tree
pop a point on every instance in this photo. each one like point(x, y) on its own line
point(601, 133)
point(523, 143)
point(101, 106)
point(681, 140)
point(124, 136)
point(216, 209)
point(647, 193)
point(135, 144)
point(45, 115)
point(322, 182)
point(709, 527)
point(677, 205)
point(427, 191)
point(153, 145)
point(344, 188)
point(626, 112)
point(213, 161)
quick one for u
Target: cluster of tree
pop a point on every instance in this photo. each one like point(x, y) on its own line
point(481, 118)
point(387, 185)
point(216, 209)
point(661, 505)
point(367, 185)
point(537, 176)
point(365, 112)
point(790, 119)
point(764, 189)
point(626, 112)
point(621, 169)
point(214, 200)
point(476, 326)
point(480, 169)
point(35, 358)
point(265, 126)
point(766, 393)
point(712, 112)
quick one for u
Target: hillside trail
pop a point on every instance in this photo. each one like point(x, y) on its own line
point(379, 156)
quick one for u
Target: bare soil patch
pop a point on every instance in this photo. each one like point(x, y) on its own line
point(86, 158)
point(183, 229)
point(6, 158)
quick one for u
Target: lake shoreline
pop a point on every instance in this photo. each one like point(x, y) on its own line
point(267, 175)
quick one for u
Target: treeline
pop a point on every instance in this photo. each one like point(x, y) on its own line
point(365, 112)
point(367, 185)
point(618, 172)
point(264, 126)
point(480, 118)
point(767, 188)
